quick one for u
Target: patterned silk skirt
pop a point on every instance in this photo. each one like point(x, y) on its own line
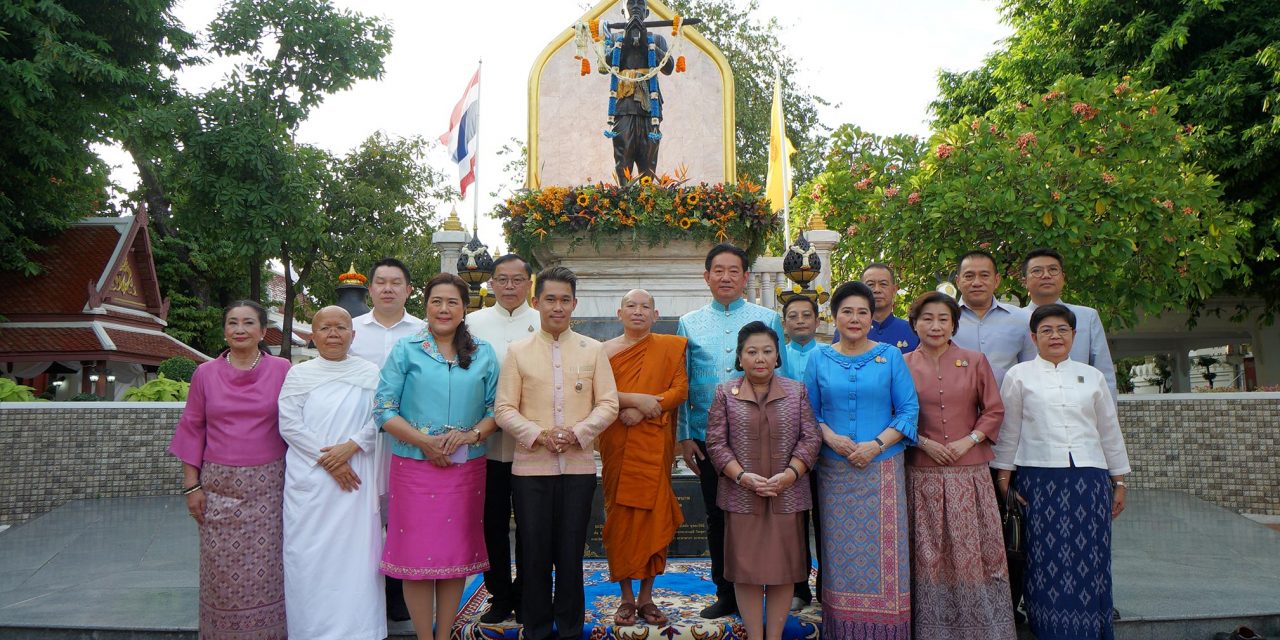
point(1068, 579)
point(435, 520)
point(959, 579)
point(241, 552)
point(866, 585)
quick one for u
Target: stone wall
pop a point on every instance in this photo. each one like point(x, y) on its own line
point(54, 452)
point(1220, 447)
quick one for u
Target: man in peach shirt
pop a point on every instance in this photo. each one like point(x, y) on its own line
point(556, 394)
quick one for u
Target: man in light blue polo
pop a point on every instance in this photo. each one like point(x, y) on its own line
point(713, 340)
point(1044, 275)
point(1000, 331)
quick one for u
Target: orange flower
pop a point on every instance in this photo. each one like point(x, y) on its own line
point(680, 65)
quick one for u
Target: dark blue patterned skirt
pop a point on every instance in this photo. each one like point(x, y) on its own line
point(1068, 577)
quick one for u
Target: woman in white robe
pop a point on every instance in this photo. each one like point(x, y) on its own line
point(332, 530)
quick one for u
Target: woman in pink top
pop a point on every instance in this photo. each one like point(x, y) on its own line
point(959, 580)
point(233, 477)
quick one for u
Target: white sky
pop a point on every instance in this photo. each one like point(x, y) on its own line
point(875, 61)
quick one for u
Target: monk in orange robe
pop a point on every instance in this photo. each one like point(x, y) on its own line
point(641, 512)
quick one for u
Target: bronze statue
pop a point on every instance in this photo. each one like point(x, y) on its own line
point(636, 107)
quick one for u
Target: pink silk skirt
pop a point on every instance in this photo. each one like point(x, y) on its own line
point(435, 520)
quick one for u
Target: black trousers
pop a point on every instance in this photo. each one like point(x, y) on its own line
point(554, 513)
point(715, 523)
point(504, 593)
point(812, 518)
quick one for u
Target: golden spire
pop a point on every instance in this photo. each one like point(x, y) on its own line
point(452, 223)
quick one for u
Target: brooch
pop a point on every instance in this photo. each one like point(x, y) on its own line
point(962, 363)
point(1080, 379)
point(578, 386)
point(734, 391)
point(902, 344)
point(881, 359)
point(530, 328)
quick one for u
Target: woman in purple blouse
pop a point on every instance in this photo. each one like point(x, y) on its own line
point(233, 477)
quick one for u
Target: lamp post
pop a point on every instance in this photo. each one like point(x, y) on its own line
point(802, 265)
point(475, 267)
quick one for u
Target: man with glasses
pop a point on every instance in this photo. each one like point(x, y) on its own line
point(1044, 276)
point(510, 320)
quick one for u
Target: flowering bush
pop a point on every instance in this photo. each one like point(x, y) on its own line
point(645, 211)
point(1097, 169)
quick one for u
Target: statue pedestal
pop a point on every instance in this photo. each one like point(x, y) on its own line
point(672, 273)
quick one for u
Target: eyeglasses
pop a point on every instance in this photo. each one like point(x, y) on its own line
point(1039, 272)
point(1046, 332)
point(503, 281)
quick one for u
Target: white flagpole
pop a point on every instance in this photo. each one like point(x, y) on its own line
point(475, 185)
point(786, 164)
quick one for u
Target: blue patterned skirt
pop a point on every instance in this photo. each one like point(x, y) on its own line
point(1068, 577)
point(866, 583)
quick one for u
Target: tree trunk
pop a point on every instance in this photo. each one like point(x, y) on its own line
point(286, 325)
point(255, 278)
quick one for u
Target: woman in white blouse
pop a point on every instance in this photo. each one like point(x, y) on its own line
point(1062, 434)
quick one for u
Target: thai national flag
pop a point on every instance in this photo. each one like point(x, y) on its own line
point(463, 131)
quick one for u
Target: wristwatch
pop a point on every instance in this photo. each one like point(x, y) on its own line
point(973, 435)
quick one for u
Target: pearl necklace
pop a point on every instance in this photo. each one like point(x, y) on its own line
point(251, 367)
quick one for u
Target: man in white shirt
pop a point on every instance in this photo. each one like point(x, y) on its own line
point(375, 333)
point(510, 320)
point(1044, 275)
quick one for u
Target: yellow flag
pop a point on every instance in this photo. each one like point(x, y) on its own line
point(778, 183)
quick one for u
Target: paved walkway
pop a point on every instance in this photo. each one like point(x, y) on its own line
point(127, 567)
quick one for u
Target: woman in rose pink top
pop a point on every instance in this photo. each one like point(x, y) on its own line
point(233, 477)
point(959, 580)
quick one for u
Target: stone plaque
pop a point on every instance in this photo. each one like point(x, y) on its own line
point(691, 537)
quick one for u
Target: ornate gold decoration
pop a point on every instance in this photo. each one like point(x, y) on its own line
point(123, 281)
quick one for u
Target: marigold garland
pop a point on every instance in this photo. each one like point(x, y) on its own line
point(646, 210)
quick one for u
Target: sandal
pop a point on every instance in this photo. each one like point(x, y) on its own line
point(625, 616)
point(652, 615)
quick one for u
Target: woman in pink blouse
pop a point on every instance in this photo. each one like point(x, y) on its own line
point(959, 580)
point(233, 477)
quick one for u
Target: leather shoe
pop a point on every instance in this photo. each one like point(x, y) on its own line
point(495, 615)
point(721, 608)
point(1241, 633)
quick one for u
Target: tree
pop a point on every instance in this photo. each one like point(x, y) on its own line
point(1220, 59)
point(379, 200)
point(68, 69)
point(753, 49)
point(1098, 169)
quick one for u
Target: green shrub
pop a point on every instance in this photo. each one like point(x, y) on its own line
point(87, 397)
point(178, 368)
point(11, 391)
point(162, 389)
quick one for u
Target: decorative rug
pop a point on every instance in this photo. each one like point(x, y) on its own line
point(680, 593)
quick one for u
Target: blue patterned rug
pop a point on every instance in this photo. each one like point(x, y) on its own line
point(680, 593)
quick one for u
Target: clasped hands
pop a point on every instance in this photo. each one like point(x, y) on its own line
point(648, 407)
point(767, 487)
point(946, 454)
point(859, 454)
point(558, 440)
point(437, 449)
point(336, 460)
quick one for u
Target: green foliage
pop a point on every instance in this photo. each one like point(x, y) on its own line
point(1097, 169)
point(67, 73)
point(161, 389)
point(11, 391)
point(643, 212)
point(754, 50)
point(178, 368)
point(1219, 59)
point(87, 397)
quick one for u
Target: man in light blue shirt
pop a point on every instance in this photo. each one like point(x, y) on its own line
point(800, 321)
point(713, 351)
point(1000, 331)
point(1044, 275)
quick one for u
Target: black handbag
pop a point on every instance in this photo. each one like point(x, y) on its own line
point(1014, 520)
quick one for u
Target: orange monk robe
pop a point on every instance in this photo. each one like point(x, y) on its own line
point(641, 512)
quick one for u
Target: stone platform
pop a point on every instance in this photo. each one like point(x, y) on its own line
point(126, 568)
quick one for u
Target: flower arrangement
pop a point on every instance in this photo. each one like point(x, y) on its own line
point(646, 211)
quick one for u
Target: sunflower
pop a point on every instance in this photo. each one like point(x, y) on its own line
point(646, 180)
point(691, 199)
point(685, 223)
point(583, 199)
